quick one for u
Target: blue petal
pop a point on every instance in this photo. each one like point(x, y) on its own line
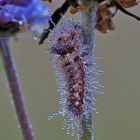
point(34, 12)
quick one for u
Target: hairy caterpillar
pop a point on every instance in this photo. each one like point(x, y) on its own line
point(76, 75)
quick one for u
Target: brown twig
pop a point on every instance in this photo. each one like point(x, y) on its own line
point(17, 95)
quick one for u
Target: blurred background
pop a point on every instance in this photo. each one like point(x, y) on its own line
point(119, 112)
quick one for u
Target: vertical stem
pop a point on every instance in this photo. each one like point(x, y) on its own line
point(88, 21)
point(17, 95)
point(85, 133)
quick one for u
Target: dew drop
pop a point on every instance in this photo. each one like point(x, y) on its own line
point(19, 126)
point(35, 38)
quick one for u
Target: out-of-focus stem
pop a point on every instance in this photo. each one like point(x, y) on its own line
point(17, 95)
point(85, 130)
point(88, 21)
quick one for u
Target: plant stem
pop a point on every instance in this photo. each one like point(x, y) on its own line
point(17, 95)
point(88, 21)
point(85, 133)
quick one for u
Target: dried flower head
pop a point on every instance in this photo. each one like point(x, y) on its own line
point(104, 22)
point(128, 3)
point(106, 10)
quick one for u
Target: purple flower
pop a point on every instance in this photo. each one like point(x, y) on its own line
point(32, 11)
point(16, 2)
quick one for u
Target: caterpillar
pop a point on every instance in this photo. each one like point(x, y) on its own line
point(74, 67)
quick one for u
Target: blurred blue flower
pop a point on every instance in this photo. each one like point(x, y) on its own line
point(30, 11)
point(16, 2)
